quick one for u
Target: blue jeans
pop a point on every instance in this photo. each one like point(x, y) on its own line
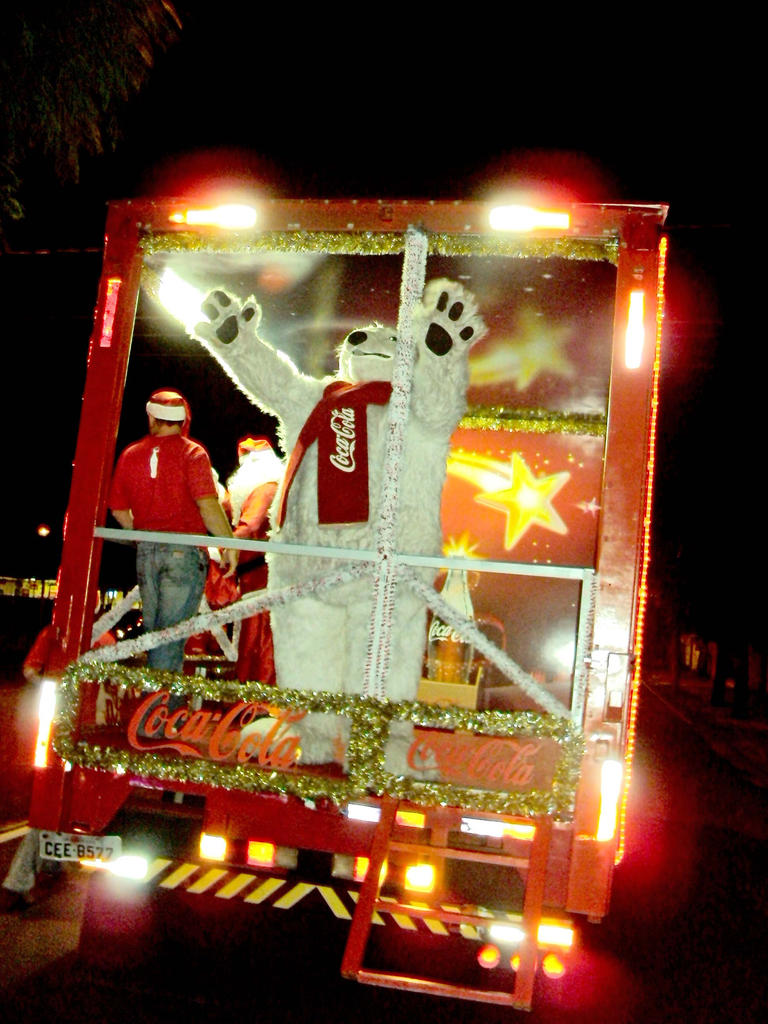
point(171, 581)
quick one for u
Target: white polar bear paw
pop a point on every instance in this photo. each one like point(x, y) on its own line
point(228, 318)
point(454, 322)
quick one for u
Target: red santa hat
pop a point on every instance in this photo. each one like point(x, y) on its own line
point(170, 405)
point(252, 443)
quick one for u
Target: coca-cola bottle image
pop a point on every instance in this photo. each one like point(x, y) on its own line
point(449, 656)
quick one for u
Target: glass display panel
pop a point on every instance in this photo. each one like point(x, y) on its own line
point(505, 603)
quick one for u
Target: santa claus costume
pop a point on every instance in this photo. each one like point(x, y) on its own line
point(250, 492)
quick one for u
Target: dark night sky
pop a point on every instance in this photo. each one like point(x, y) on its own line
point(319, 108)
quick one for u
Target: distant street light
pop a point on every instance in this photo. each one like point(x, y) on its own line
point(43, 530)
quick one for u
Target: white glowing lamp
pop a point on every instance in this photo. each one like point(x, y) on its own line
point(634, 339)
point(363, 812)
point(236, 216)
point(213, 847)
point(511, 934)
point(182, 300)
point(420, 877)
point(45, 712)
point(610, 790)
point(130, 866)
point(527, 218)
point(551, 933)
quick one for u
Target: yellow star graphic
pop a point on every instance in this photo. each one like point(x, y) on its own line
point(536, 347)
point(527, 501)
point(461, 547)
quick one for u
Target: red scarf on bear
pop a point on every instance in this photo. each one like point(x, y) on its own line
point(339, 424)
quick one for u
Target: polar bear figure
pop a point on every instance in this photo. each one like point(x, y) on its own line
point(331, 493)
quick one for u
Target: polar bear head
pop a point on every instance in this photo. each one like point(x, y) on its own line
point(367, 353)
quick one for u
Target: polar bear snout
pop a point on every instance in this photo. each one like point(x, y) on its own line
point(356, 338)
point(367, 354)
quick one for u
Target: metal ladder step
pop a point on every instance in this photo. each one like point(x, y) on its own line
point(369, 901)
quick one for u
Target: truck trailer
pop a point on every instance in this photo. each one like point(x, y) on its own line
point(500, 827)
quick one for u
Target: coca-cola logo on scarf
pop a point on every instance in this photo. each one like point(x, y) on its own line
point(343, 426)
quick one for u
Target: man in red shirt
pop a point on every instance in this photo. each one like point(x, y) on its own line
point(164, 483)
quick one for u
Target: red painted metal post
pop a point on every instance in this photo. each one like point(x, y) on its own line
point(361, 922)
point(94, 455)
point(620, 541)
point(534, 897)
point(626, 447)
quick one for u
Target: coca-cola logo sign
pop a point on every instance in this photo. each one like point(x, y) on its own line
point(509, 763)
point(249, 737)
point(343, 426)
point(439, 630)
point(245, 733)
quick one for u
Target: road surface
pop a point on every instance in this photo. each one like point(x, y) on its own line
point(683, 941)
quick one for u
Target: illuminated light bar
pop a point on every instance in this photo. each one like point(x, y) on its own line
point(261, 854)
point(354, 868)
point(212, 847)
point(483, 827)
point(230, 215)
point(635, 336)
point(181, 299)
point(642, 590)
point(363, 812)
point(554, 933)
point(510, 934)
point(526, 218)
point(553, 966)
point(45, 712)
point(420, 877)
point(489, 956)
point(610, 791)
point(497, 829)
point(110, 307)
point(411, 819)
point(615, 699)
point(526, 832)
point(360, 868)
point(128, 866)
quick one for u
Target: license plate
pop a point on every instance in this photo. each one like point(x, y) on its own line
point(77, 846)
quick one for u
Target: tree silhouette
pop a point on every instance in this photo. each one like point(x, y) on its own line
point(66, 72)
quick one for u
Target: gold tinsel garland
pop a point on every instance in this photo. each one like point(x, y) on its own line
point(532, 421)
point(383, 243)
point(370, 720)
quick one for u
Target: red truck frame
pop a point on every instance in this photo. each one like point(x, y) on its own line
point(535, 752)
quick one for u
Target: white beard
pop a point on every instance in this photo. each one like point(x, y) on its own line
point(255, 469)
